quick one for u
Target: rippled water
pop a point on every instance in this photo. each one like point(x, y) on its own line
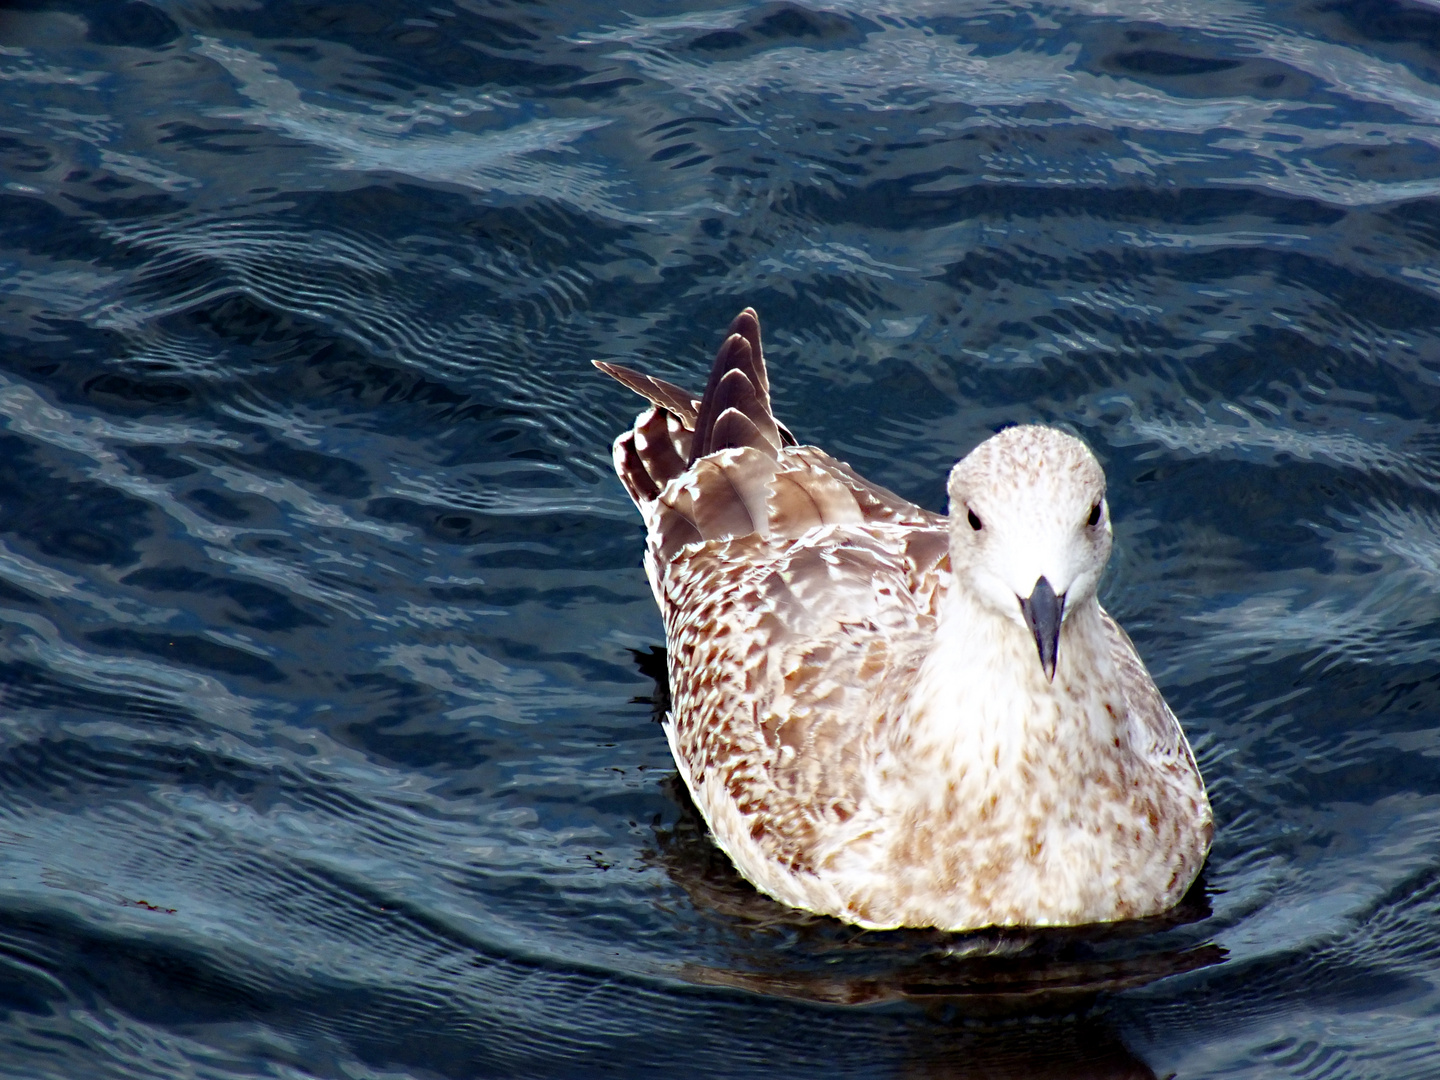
point(327, 745)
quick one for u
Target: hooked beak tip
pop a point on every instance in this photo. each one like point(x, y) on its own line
point(1043, 611)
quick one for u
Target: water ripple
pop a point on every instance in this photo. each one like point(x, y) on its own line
point(327, 661)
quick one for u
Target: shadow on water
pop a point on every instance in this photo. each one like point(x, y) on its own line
point(576, 1022)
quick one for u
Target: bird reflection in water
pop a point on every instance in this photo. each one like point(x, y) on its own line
point(1008, 1001)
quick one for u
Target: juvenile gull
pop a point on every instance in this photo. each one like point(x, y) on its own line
point(894, 717)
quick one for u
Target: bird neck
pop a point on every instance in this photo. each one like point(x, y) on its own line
point(981, 694)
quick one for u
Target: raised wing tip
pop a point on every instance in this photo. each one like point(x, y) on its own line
point(666, 395)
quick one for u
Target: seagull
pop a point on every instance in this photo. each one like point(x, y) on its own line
point(894, 717)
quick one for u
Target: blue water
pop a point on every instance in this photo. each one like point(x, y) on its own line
point(326, 734)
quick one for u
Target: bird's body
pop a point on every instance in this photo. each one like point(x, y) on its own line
point(858, 707)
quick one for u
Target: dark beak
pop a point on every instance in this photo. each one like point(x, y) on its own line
point(1042, 614)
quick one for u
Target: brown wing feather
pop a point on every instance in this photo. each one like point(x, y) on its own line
point(797, 597)
point(876, 503)
point(734, 429)
point(672, 526)
point(649, 456)
point(719, 509)
point(630, 466)
point(1148, 707)
point(737, 391)
point(803, 498)
point(801, 488)
point(747, 325)
point(786, 660)
point(667, 395)
point(738, 380)
point(656, 444)
point(793, 510)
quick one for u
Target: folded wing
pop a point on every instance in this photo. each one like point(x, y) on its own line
point(798, 600)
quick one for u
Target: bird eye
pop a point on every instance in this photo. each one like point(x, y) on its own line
point(974, 521)
point(1094, 518)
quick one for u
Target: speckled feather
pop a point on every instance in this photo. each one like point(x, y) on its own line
point(866, 732)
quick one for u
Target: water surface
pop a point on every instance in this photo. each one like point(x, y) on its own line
point(327, 747)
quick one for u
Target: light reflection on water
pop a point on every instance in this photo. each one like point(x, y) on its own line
point(325, 748)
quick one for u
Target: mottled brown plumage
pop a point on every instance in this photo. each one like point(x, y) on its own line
point(858, 708)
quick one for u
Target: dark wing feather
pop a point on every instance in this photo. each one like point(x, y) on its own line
point(734, 353)
point(663, 445)
point(747, 325)
point(651, 454)
point(738, 380)
point(630, 465)
point(667, 395)
point(734, 428)
point(737, 391)
point(726, 452)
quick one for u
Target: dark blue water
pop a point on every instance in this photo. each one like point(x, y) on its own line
point(324, 746)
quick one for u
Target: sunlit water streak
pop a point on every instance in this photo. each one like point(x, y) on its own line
point(324, 746)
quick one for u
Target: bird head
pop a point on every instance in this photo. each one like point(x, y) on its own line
point(1029, 529)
